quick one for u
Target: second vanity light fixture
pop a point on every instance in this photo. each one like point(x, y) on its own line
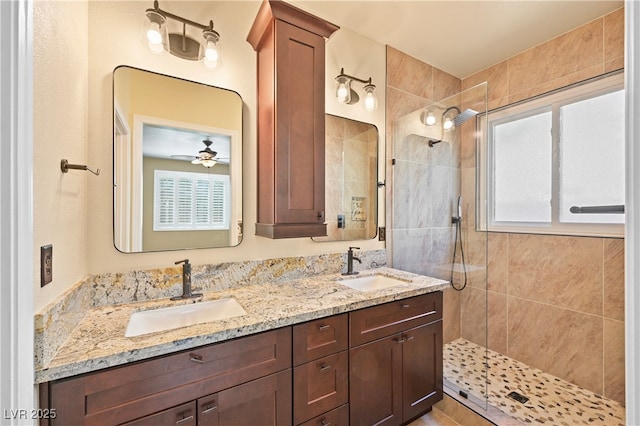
point(347, 95)
point(181, 44)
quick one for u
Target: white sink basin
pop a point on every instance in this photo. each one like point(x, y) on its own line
point(371, 282)
point(163, 319)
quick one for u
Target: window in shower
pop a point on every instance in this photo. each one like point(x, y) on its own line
point(544, 156)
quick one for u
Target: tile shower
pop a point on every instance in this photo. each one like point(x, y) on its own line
point(552, 304)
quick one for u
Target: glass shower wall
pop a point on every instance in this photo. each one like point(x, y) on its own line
point(433, 212)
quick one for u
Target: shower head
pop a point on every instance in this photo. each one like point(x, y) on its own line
point(464, 116)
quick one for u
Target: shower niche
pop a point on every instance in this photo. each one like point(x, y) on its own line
point(434, 220)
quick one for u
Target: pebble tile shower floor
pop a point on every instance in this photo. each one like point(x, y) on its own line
point(551, 401)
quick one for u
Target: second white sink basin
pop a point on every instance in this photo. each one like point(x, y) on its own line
point(162, 319)
point(371, 282)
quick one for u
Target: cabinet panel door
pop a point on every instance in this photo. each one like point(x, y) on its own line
point(183, 415)
point(375, 380)
point(320, 386)
point(422, 369)
point(299, 156)
point(208, 410)
point(322, 337)
point(264, 402)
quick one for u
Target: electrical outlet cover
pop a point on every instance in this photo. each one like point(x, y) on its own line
point(46, 265)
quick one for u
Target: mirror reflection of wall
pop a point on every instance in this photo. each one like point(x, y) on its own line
point(177, 163)
point(351, 177)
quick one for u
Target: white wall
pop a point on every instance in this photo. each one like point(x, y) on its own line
point(78, 216)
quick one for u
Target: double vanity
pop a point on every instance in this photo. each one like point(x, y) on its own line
point(359, 349)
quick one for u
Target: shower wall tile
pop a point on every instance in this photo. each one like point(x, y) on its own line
point(451, 315)
point(498, 262)
point(561, 342)
point(498, 78)
point(547, 86)
point(614, 381)
point(468, 192)
point(614, 40)
point(467, 145)
point(614, 279)
point(444, 84)
point(497, 319)
point(473, 325)
point(560, 271)
point(564, 55)
point(408, 74)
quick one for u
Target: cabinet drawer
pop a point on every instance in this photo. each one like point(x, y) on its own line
point(315, 339)
point(183, 415)
point(319, 386)
point(379, 321)
point(337, 417)
point(124, 393)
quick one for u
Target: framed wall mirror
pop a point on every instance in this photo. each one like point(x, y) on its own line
point(177, 149)
point(351, 179)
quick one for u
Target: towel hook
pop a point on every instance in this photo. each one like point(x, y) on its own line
point(65, 166)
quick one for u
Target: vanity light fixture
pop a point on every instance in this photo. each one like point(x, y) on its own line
point(180, 44)
point(347, 95)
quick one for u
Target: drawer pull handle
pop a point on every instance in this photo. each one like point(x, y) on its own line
point(409, 337)
point(324, 327)
point(400, 339)
point(324, 422)
point(197, 358)
point(405, 305)
point(185, 419)
point(324, 367)
point(209, 409)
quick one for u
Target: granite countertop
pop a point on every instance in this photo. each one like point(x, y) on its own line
point(98, 341)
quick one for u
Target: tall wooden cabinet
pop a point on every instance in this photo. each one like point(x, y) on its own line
point(290, 44)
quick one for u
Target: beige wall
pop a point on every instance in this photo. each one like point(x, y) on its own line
point(77, 46)
point(554, 302)
point(60, 214)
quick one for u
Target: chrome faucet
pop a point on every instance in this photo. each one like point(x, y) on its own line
point(350, 259)
point(186, 282)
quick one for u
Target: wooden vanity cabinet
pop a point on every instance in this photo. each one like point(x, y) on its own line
point(290, 44)
point(321, 370)
point(249, 372)
point(395, 359)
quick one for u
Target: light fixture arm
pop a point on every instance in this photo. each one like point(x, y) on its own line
point(350, 77)
point(184, 21)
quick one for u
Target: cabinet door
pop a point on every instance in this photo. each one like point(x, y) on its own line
point(421, 369)
point(183, 415)
point(208, 411)
point(300, 125)
point(320, 386)
point(375, 380)
point(264, 402)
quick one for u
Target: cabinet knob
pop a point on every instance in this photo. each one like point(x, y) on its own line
point(320, 215)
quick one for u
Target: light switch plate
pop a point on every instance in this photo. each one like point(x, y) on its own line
point(382, 233)
point(46, 265)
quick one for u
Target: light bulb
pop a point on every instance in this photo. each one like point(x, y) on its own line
point(153, 33)
point(342, 93)
point(370, 99)
point(211, 55)
point(430, 120)
point(447, 124)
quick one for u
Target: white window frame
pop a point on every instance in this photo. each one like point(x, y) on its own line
point(193, 225)
point(484, 212)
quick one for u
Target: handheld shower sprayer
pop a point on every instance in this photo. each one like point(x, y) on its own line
point(457, 223)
